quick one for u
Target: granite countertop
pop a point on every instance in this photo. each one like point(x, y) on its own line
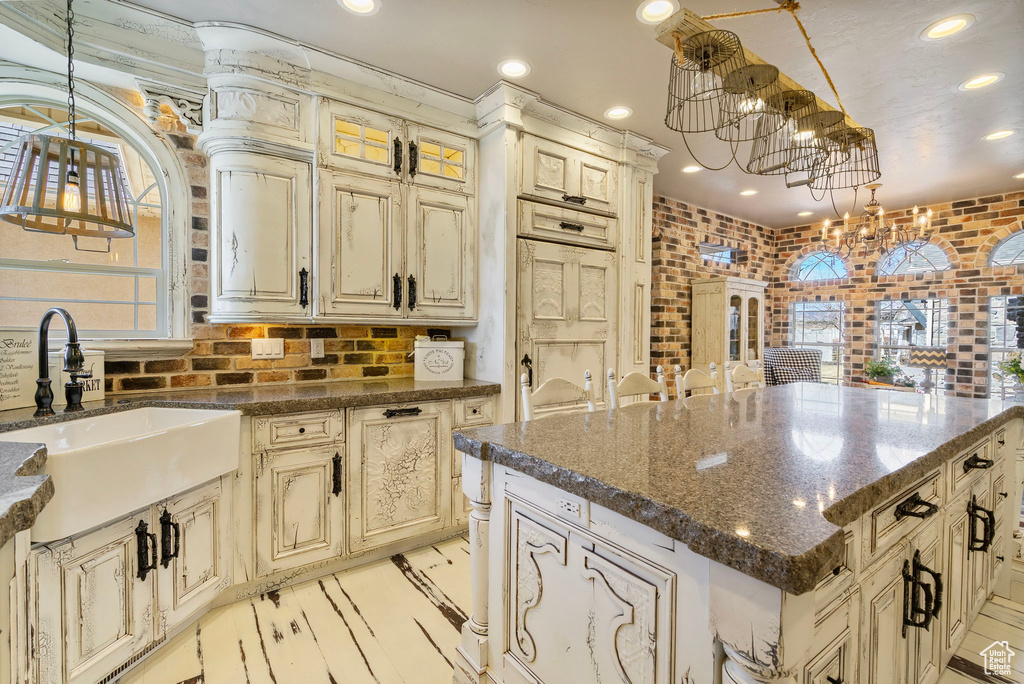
point(762, 483)
point(24, 489)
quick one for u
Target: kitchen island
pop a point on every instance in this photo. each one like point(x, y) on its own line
point(804, 533)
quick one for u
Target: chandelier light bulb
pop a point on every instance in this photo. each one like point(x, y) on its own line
point(705, 84)
point(72, 193)
point(752, 107)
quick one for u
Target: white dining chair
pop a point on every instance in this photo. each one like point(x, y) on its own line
point(696, 382)
point(744, 377)
point(556, 391)
point(636, 384)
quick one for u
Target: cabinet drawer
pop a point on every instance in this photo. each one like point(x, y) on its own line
point(885, 526)
point(961, 479)
point(566, 225)
point(841, 577)
point(298, 429)
point(565, 174)
point(475, 411)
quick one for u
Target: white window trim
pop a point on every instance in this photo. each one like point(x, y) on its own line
point(20, 82)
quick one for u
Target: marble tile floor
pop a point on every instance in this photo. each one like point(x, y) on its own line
point(397, 621)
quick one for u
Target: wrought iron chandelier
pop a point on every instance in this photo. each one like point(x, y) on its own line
point(64, 186)
point(873, 231)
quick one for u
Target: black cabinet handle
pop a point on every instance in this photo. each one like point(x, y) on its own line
point(1000, 558)
point(1002, 442)
point(976, 461)
point(412, 292)
point(397, 145)
point(303, 288)
point(336, 465)
point(574, 199)
point(834, 680)
point(988, 526)
point(527, 363)
point(912, 508)
point(414, 158)
point(145, 550)
point(1003, 495)
point(920, 567)
point(413, 411)
point(916, 614)
point(168, 528)
point(565, 225)
point(396, 290)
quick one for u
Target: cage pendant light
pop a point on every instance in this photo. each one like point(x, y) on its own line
point(852, 161)
point(745, 113)
point(64, 186)
point(795, 146)
point(700, 64)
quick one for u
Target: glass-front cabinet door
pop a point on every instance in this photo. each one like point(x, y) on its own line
point(753, 329)
point(735, 316)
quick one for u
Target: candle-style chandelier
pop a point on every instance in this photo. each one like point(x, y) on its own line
point(873, 231)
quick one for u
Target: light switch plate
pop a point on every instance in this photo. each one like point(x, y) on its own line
point(316, 348)
point(272, 348)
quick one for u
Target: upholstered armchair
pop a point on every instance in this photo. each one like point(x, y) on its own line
point(783, 365)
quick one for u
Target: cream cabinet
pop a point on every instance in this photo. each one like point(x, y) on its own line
point(399, 472)
point(727, 324)
point(567, 175)
point(469, 413)
point(261, 241)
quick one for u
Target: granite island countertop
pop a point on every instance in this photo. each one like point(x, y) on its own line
point(25, 489)
point(762, 483)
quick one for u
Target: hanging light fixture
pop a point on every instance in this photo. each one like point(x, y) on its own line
point(852, 160)
point(745, 114)
point(699, 65)
point(64, 186)
point(874, 232)
point(797, 145)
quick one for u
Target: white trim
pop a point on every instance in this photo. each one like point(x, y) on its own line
point(18, 83)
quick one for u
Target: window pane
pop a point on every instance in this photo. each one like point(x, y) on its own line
point(907, 323)
point(1009, 251)
point(915, 258)
point(819, 325)
point(820, 266)
point(1004, 314)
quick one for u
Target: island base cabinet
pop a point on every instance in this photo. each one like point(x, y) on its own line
point(299, 507)
point(399, 472)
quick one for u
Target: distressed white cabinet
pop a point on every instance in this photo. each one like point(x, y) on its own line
point(262, 237)
point(440, 255)
point(195, 554)
point(299, 507)
point(728, 324)
point(439, 159)
point(469, 413)
point(399, 472)
point(565, 174)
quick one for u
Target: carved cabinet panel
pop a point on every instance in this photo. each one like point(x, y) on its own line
point(195, 556)
point(262, 215)
point(558, 172)
point(299, 507)
point(399, 472)
point(361, 271)
point(440, 255)
point(93, 611)
point(567, 312)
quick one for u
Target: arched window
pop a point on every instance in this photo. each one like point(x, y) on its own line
point(1009, 251)
point(913, 258)
point(820, 266)
point(120, 294)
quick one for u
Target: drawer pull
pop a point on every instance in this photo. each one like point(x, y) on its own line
point(476, 411)
point(565, 225)
point(168, 528)
point(834, 680)
point(336, 471)
point(918, 613)
point(976, 461)
point(574, 199)
point(1002, 441)
point(1003, 495)
point(1000, 558)
point(913, 506)
point(145, 549)
point(302, 431)
point(413, 411)
point(988, 526)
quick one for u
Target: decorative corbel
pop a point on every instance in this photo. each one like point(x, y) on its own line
point(187, 104)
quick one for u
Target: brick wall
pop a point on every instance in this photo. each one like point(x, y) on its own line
point(967, 230)
point(221, 355)
point(679, 228)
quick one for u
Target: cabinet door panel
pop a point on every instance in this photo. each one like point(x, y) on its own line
point(262, 210)
point(554, 171)
point(956, 577)
point(360, 245)
point(443, 160)
point(441, 255)
point(356, 139)
point(924, 646)
point(298, 516)
point(883, 648)
point(399, 473)
point(201, 568)
point(980, 561)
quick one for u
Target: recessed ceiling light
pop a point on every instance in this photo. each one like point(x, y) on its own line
point(805, 213)
point(998, 135)
point(365, 8)
point(691, 169)
point(1019, 176)
point(982, 81)
point(656, 11)
point(944, 28)
point(618, 112)
point(748, 193)
point(513, 68)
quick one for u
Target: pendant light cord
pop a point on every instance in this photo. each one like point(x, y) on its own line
point(71, 70)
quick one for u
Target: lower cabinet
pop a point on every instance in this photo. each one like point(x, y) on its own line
point(399, 472)
point(101, 600)
point(299, 507)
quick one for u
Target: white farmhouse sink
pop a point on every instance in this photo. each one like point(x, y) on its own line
point(108, 466)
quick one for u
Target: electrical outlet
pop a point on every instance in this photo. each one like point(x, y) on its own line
point(569, 507)
point(316, 348)
point(272, 348)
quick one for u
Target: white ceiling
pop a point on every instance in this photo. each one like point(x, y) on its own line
point(588, 55)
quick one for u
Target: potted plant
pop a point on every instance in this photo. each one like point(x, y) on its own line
point(882, 370)
point(1010, 370)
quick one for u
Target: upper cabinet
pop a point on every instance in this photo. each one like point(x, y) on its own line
point(568, 175)
point(442, 160)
